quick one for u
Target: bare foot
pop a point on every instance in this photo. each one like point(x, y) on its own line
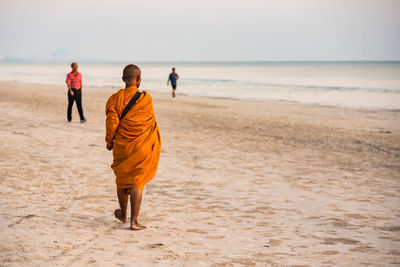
point(118, 215)
point(137, 226)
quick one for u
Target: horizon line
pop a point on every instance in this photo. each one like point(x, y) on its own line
point(17, 60)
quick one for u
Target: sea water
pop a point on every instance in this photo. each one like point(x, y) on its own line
point(344, 84)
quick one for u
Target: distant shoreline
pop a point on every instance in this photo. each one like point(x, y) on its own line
point(271, 101)
point(360, 85)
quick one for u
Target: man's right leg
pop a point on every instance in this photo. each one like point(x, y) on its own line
point(136, 200)
point(173, 92)
point(70, 103)
point(120, 214)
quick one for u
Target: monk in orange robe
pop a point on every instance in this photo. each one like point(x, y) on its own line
point(136, 144)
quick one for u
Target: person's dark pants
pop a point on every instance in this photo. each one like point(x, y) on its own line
point(78, 98)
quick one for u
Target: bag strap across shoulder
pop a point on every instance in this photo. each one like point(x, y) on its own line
point(130, 104)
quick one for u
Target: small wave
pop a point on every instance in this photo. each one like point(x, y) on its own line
point(296, 86)
point(34, 74)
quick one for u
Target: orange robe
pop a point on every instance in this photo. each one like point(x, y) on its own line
point(137, 142)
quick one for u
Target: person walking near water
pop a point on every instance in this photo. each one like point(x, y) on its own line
point(132, 134)
point(74, 83)
point(173, 77)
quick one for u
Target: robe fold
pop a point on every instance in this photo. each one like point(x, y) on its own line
point(136, 139)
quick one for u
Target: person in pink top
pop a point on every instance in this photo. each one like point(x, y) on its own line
point(74, 83)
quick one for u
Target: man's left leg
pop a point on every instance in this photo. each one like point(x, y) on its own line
point(78, 99)
point(123, 196)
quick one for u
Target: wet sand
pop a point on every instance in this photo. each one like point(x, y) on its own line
point(239, 183)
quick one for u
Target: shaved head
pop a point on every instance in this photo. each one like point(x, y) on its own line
point(131, 73)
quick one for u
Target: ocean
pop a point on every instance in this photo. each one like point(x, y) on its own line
point(369, 85)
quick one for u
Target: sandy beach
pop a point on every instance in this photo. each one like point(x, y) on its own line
point(240, 183)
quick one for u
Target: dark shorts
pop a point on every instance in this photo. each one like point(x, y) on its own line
point(173, 86)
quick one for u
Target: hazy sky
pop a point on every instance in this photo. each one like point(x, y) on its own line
point(162, 30)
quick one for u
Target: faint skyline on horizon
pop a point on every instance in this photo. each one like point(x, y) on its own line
point(177, 30)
